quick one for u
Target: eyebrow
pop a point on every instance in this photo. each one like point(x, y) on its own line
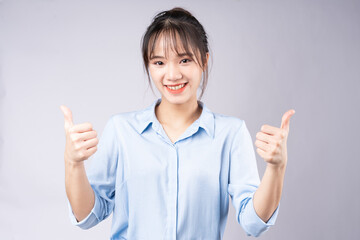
point(179, 55)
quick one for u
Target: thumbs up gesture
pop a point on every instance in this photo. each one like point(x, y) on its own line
point(81, 139)
point(271, 141)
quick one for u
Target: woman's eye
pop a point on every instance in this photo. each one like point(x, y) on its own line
point(158, 63)
point(185, 60)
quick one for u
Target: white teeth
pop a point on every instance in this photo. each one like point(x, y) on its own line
point(177, 87)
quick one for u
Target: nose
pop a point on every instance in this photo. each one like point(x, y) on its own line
point(173, 72)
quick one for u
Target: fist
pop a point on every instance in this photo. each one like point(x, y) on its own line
point(271, 141)
point(81, 139)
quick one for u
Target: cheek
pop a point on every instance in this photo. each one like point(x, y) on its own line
point(196, 77)
point(155, 74)
point(192, 73)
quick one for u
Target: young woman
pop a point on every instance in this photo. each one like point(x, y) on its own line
point(166, 172)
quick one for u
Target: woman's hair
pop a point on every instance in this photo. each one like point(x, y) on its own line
point(181, 24)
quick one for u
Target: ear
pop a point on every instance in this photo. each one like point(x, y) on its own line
point(207, 60)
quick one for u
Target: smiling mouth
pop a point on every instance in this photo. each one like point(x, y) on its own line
point(176, 87)
point(175, 84)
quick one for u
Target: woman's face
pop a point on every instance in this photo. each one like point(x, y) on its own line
point(174, 70)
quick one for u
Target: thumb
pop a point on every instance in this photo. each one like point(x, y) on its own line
point(67, 116)
point(285, 121)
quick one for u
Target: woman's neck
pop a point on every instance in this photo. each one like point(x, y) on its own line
point(177, 115)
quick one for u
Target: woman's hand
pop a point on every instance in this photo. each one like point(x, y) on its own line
point(271, 142)
point(81, 139)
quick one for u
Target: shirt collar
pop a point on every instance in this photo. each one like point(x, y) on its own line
point(147, 116)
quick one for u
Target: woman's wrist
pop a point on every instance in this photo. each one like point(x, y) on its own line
point(73, 164)
point(276, 168)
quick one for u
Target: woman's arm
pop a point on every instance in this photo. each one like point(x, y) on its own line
point(271, 143)
point(267, 196)
point(78, 190)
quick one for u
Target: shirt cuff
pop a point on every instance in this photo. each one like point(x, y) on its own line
point(90, 220)
point(255, 226)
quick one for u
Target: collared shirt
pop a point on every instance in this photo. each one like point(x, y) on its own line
point(157, 189)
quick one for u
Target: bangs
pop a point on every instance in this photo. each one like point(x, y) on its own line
point(173, 38)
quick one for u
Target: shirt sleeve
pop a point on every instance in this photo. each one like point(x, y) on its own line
point(243, 182)
point(101, 175)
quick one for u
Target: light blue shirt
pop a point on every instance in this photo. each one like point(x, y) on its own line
point(157, 189)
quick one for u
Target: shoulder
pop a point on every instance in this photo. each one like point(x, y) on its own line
point(227, 123)
point(118, 118)
point(131, 120)
point(123, 117)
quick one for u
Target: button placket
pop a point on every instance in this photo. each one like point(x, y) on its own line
point(172, 185)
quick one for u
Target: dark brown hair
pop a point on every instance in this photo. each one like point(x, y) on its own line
point(171, 24)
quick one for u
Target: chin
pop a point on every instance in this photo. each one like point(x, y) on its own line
point(176, 99)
